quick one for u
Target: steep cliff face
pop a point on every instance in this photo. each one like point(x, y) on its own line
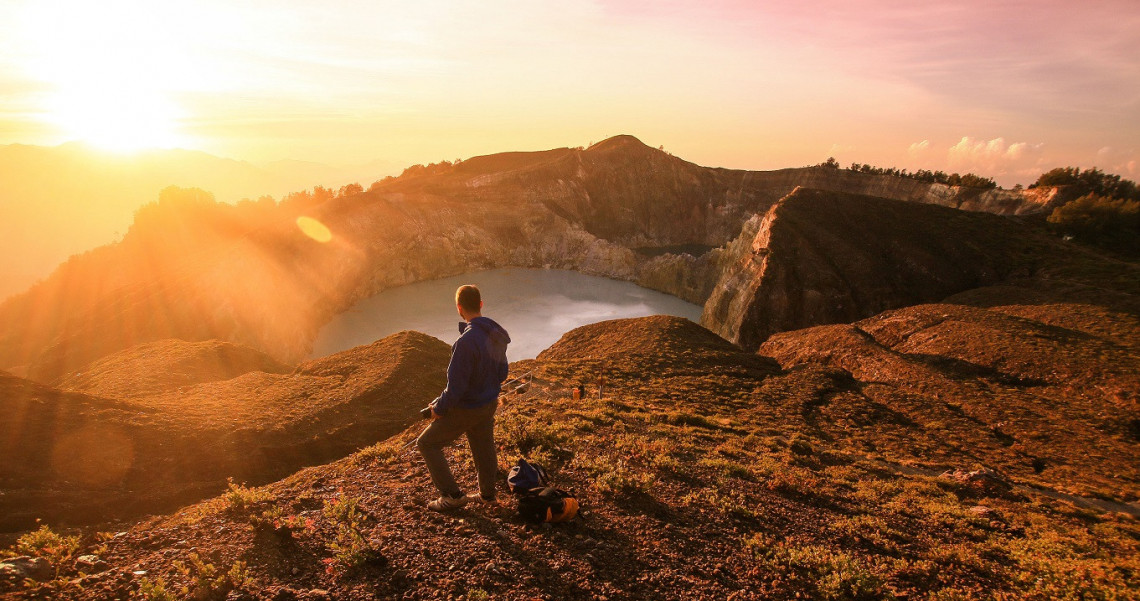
point(825, 257)
point(259, 281)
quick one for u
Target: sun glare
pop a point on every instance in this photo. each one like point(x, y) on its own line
point(118, 120)
point(314, 229)
point(114, 69)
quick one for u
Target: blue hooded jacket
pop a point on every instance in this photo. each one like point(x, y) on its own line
point(478, 366)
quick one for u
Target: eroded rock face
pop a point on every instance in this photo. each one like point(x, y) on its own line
point(826, 257)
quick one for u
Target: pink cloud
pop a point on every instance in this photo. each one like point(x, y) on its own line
point(995, 157)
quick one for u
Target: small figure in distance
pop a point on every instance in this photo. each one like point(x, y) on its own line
point(467, 406)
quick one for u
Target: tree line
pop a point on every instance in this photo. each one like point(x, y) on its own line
point(969, 180)
point(1106, 212)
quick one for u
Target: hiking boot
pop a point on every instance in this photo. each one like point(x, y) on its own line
point(446, 503)
point(484, 498)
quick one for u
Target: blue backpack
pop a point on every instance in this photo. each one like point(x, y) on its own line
point(525, 476)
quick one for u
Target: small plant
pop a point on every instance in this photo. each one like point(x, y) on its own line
point(152, 590)
point(350, 547)
point(681, 418)
point(615, 476)
point(207, 582)
point(835, 574)
point(531, 434)
point(239, 497)
point(800, 446)
point(478, 594)
point(722, 502)
point(728, 468)
point(379, 453)
point(49, 544)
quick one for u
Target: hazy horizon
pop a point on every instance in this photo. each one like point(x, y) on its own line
point(1006, 91)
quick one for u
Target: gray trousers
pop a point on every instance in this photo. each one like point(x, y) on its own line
point(479, 426)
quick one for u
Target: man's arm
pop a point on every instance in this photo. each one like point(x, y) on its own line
point(458, 377)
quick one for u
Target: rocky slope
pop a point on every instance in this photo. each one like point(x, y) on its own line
point(192, 270)
point(173, 428)
point(706, 472)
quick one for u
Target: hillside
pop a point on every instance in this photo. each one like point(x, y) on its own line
point(166, 365)
point(706, 472)
point(177, 419)
point(195, 270)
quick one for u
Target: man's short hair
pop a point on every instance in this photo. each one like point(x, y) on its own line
point(467, 296)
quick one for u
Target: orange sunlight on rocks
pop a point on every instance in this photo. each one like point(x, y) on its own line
point(94, 455)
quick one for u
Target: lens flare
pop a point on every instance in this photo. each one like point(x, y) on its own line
point(314, 229)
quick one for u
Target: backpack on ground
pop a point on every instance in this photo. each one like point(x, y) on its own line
point(526, 476)
point(547, 504)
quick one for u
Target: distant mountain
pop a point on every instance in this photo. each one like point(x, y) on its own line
point(62, 200)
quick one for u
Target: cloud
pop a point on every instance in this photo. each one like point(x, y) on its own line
point(1117, 160)
point(993, 157)
point(838, 149)
point(918, 148)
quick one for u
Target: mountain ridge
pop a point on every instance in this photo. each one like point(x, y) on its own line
point(577, 209)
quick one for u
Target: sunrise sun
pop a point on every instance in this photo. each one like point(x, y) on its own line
point(112, 71)
point(119, 120)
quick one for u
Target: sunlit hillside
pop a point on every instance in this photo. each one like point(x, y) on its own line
point(58, 201)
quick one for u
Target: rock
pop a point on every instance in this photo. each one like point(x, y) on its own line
point(17, 569)
point(981, 511)
point(284, 593)
point(318, 594)
point(985, 481)
point(90, 564)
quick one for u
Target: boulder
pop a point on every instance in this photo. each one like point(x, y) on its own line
point(90, 564)
point(985, 482)
point(17, 569)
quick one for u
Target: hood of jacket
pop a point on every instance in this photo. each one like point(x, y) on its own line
point(493, 330)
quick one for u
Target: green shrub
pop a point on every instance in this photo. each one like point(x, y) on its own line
point(379, 453)
point(801, 446)
point(1113, 223)
point(615, 475)
point(834, 574)
point(682, 418)
point(45, 542)
point(1089, 181)
point(152, 590)
point(526, 435)
point(350, 546)
point(728, 468)
point(206, 582)
point(239, 497)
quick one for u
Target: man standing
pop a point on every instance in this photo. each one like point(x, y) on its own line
point(467, 406)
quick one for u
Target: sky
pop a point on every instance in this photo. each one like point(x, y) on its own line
point(1004, 89)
